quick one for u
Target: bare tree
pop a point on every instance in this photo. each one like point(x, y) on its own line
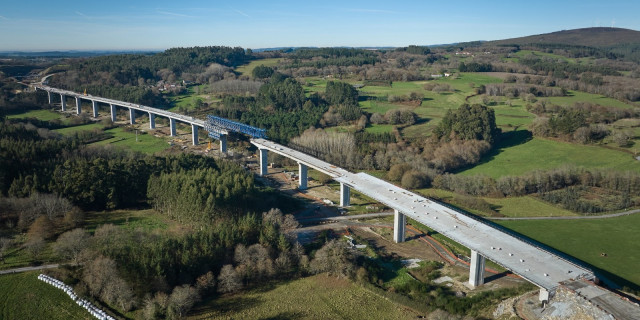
point(228, 280)
point(71, 243)
point(182, 300)
point(34, 246)
point(335, 257)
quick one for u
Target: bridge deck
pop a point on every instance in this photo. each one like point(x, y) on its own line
point(541, 267)
point(156, 111)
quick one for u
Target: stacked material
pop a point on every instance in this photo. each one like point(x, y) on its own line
point(81, 302)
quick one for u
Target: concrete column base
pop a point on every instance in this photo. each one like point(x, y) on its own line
point(223, 143)
point(544, 295)
point(476, 269)
point(263, 162)
point(399, 224)
point(194, 134)
point(94, 104)
point(113, 112)
point(345, 195)
point(172, 127)
point(152, 121)
point(302, 176)
point(132, 116)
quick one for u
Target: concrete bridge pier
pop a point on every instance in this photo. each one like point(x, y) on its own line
point(113, 112)
point(132, 116)
point(49, 96)
point(302, 176)
point(63, 102)
point(263, 162)
point(476, 270)
point(345, 195)
point(399, 223)
point(172, 126)
point(152, 121)
point(95, 108)
point(78, 103)
point(194, 134)
point(223, 143)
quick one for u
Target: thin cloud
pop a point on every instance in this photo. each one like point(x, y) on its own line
point(82, 15)
point(242, 13)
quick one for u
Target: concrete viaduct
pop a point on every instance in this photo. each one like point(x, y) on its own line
point(541, 267)
point(132, 107)
point(544, 268)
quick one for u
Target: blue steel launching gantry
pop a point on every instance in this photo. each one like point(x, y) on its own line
point(219, 127)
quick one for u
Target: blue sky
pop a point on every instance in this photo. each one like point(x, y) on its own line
point(115, 25)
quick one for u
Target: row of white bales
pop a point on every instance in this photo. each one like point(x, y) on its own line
point(81, 302)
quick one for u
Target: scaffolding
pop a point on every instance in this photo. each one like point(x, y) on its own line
point(218, 125)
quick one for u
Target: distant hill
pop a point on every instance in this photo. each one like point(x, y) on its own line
point(590, 37)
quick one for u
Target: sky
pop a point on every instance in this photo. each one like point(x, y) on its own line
point(38, 25)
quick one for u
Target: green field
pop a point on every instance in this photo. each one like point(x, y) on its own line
point(618, 238)
point(85, 127)
point(147, 143)
point(146, 220)
point(527, 206)
point(247, 69)
point(317, 297)
point(540, 153)
point(379, 128)
point(44, 115)
point(577, 96)
point(23, 296)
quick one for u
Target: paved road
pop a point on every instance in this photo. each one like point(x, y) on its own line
point(612, 215)
point(25, 269)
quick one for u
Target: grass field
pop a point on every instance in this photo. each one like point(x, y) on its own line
point(147, 220)
point(548, 154)
point(147, 143)
point(586, 240)
point(247, 69)
point(23, 296)
point(527, 207)
point(577, 96)
point(85, 127)
point(379, 128)
point(317, 297)
point(44, 115)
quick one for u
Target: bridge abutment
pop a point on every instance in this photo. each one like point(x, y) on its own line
point(345, 195)
point(172, 126)
point(263, 162)
point(113, 112)
point(78, 105)
point(476, 270)
point(302, 176)
point(223, 143)
point(194, 134)
point(152, 121)
point(94, 104)
point(399, 224)
point(132, 116)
